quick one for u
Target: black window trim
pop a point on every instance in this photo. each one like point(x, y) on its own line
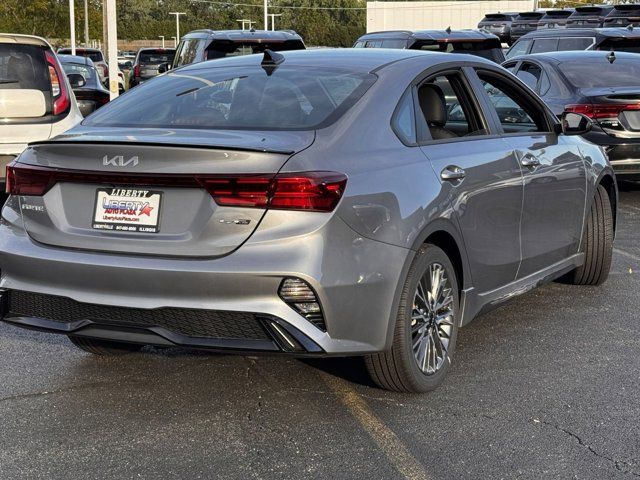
point(533, 100)
point(422, 130)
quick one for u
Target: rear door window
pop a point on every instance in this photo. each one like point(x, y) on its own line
point(543, 45)
point(577, 43)
point(189, 51)
point(530, 74)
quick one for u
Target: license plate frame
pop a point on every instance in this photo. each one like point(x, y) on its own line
point(126, 208)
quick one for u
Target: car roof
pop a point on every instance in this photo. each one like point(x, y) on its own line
point(437, 35)
point(360, 60)
point(75, 59)
point(23, 39)
point(620, 32)
point(240, 35)
point(581, 55)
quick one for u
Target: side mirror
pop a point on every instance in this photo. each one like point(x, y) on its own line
point(76, 80)
point(575, 123)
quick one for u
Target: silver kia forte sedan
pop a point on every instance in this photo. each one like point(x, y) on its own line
point(329, 202)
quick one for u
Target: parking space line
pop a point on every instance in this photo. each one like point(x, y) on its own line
point(627, 254)
point(396, 452)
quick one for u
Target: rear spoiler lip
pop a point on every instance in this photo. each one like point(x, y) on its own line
point(160, 144)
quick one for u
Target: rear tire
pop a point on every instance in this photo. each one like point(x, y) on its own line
point(597, 243)
point(405, 368)
point(104, 347)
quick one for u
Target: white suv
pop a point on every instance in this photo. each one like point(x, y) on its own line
point(36, 101)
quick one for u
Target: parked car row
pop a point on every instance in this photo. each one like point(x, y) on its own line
point(510, 26)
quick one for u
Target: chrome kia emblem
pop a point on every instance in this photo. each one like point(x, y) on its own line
point(119, 161)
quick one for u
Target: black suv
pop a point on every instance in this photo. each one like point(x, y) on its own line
point(552, 40)
point(201, 45)
point(623, 16)
point(473, 42)
point(499, 24)
point(589, 17)
point(524, 23)
point(555, 18)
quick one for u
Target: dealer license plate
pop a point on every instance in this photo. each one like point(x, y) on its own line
point(127, 210)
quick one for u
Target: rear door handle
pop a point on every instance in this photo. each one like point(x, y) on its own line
point(529, 160)
point(452, 173)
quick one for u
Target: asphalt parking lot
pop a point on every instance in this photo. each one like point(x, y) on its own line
point(544, 387)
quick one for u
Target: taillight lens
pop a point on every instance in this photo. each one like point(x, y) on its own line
point(598, 111)
point(136, 71)
point(310, 191)
point(61, 99)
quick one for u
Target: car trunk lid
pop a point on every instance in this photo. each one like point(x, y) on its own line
point(142, 192)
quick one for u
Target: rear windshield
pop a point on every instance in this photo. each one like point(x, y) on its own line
point(490, 49)
point(156, 57)
point(23, 67)
point(87, 72)
point(247, 98)
point(621, 45)
point(95, 56)
point(219, 49)
point(621, 73)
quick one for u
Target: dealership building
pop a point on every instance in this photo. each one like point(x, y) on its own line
point(437, 15)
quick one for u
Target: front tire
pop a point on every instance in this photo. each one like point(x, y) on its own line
point(426, 327)
point(103, 347)
point(597, 243)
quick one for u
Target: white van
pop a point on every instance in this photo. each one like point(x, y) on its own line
point(36, 101)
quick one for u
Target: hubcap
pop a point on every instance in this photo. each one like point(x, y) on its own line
point(432, 319)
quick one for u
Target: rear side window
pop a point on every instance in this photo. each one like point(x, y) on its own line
point(521, 47)
point(569, 44)
point(544, 45)
point(530, 74)
point(23, 67)
point(189, 51)
point(403, 121)
point(245, 98)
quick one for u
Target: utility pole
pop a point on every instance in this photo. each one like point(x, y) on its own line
point(177, 14)
point(266, 15)
point(273, 20)
point(162, 37)
point(112, 43)
point(72, 26)
point(86, 23)
point(105, 45)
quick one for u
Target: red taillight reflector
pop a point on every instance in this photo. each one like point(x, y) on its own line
point(596, 111)
point(61, 99)
point(136, 71)
point(310, 191)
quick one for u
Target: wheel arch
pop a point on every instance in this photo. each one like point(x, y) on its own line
point(444, 234)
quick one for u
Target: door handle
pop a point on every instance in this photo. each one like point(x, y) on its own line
point(452, 173)
point(530, 161)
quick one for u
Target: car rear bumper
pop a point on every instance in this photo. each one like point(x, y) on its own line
point(355, 280)
point(624, 155)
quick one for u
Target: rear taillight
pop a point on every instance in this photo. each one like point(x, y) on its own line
point(311, 191)
point(59, 92)
point(136, 71)
point(599, 111)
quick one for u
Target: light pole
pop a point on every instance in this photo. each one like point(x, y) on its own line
point(162, 37)
point(244, 21)
point(86, 23)
point(266, 15)
point(72, 26)
point(273, 20)
point(177, 14)
point(112, 44)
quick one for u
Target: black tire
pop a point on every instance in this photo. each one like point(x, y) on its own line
point(597, 243)
point(104, 347)
point(397, 369)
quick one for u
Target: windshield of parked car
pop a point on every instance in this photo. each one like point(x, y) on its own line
point(249, 98)
point(620, 73)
